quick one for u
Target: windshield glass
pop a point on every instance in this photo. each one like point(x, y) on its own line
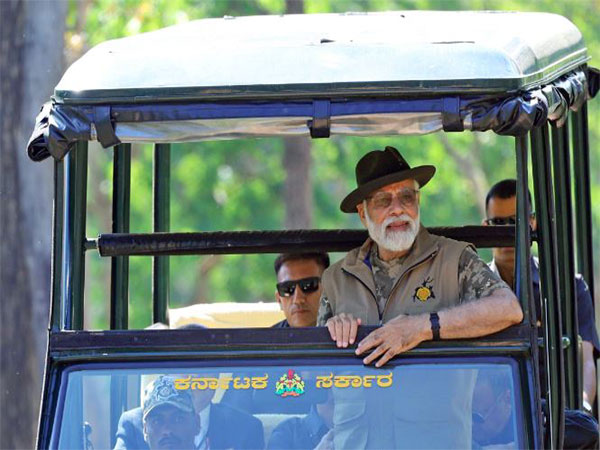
point(453, 404)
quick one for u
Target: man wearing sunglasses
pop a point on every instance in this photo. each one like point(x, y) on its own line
point(299, 287)
point(501, 207)
point(416, 285)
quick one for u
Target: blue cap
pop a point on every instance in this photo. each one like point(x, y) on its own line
point(162, 392)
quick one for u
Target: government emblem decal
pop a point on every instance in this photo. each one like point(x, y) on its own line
point(424, 292)
point(290, 385)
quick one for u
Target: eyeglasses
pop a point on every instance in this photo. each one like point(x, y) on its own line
point(382, 200)
point(511, 220)
point(308, 285)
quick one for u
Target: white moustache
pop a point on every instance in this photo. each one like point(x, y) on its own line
point(401, 218)
point(393, 240)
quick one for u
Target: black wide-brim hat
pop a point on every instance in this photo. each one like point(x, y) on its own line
point(378, 169)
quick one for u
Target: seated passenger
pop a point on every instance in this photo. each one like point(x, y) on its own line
point(299, 287)
point(314, 431)
point(170, 421)
point(297, 291)
point(221, 426)
point(493, 422)
point(416, 287)
point(581, 429)
point(501, 209)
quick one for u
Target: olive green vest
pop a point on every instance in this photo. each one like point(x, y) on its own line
point(428, 283)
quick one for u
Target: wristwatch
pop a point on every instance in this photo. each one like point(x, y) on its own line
point(435, 325)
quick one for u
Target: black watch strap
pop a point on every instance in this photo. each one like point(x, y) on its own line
point(435, 325)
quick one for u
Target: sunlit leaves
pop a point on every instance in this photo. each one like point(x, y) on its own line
point(237, 185)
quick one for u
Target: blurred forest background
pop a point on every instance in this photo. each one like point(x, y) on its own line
point(227, 185)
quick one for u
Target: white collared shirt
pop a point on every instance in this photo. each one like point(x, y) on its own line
point(201, 441)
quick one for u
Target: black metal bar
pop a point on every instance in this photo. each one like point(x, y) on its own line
point(583, 205)
point(119, 285)
point(74, 237)
point(80, 212)
point(90, 244)
point(566, 268)
point(66, 284)
point(50, 391)
point(524, 287)
point(523, 239)
point(57, 245)
point(225, 355)
point(241, 242)
point(542, 177)
point(161, 206)
point(201, 339)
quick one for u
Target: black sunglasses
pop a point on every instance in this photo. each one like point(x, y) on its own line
point(512, 220)
point(308, 285)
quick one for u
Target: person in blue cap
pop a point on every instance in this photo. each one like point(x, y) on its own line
point(216, 420)
point(169, 418)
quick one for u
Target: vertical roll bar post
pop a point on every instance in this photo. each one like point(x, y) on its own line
point(583, 205)
point(74, 218)
point(524, 280)
point(566, 268)
point(550, 288)
point(119, 280)
point(57, 246)
point(161, 218)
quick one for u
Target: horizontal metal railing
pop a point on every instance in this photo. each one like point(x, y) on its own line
point(298, 241)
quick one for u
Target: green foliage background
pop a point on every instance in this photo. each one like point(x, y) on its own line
point(237, 185)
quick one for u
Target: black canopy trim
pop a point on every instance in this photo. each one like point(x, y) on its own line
point(59, 127)
point(519, 114)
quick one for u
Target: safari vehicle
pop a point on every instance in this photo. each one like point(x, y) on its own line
point(517, 74)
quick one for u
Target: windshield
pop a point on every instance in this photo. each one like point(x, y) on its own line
point(427, 404)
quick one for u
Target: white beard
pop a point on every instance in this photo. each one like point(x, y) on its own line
point(393, 241)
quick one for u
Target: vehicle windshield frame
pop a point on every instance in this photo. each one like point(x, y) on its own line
point(524, 407)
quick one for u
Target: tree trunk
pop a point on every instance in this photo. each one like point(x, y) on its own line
point(298, 190)
point(43, 67)
point(471, 165)
point(297, 163)
point(18, 371)
point(294, 6)
point(32, 35)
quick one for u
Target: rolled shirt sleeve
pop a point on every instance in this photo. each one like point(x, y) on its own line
point(475, 278)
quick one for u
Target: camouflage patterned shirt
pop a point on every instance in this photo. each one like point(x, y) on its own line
point(385, 274)
point(476, 279)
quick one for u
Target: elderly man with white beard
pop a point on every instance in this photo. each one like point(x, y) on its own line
point(416, 285)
